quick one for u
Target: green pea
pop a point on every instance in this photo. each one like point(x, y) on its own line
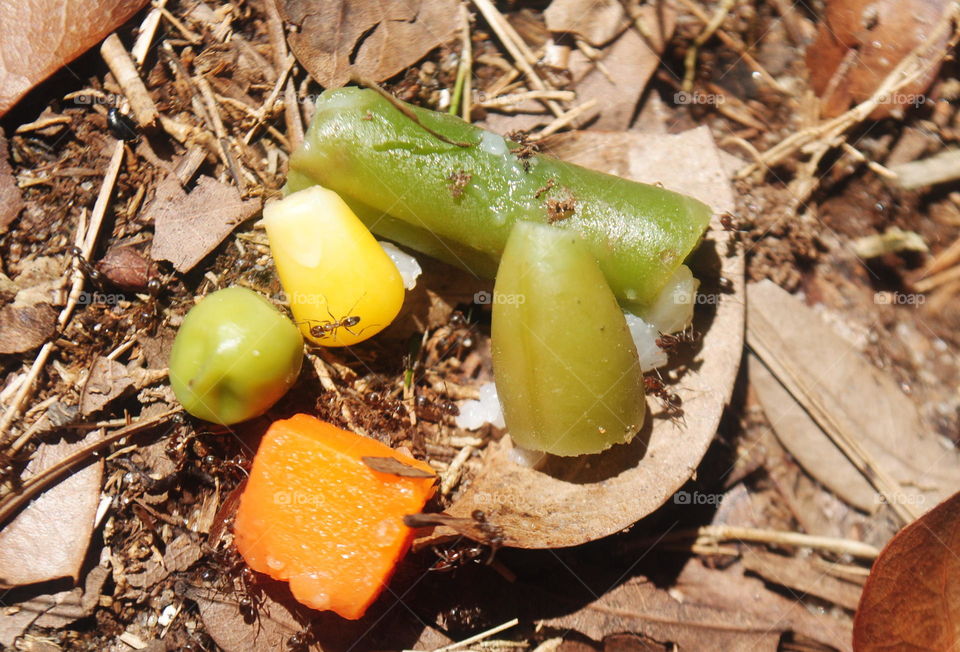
point(234, 356)
point(566, 368)
point(459, 203)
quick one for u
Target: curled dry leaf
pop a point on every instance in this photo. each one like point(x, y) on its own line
point(11, 202)
point(611, 491)
point(107, 380)
point(23, 328)
point(190, 225)
point(38, 37)
point(912, 597)
point(334, 39)
point(49, 538)
point(861, 41)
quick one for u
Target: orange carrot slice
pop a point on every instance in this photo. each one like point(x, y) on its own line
point(314, 514)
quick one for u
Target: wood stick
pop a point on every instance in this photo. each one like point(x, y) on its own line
point(122, 66)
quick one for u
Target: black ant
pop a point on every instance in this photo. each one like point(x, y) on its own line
point(230, 566)
point(88, 270)
point(301, 641)
point(672, 403)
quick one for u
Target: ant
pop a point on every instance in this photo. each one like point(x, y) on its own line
point(328, 328)
point(526, 147)
point(301, 641)
point(669, 342)
point(230, 566)
point(451, 558)
point(672, 403)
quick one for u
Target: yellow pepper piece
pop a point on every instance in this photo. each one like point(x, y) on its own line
point(343, 287)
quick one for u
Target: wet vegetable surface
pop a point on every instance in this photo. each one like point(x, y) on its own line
point(234, 356)
point(566, 367)
point(459, 203)
point(315, 514)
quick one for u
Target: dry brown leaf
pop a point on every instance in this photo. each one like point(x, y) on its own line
point(127, 268)
point(846, 395)
point(23, 328)
point(191, 225)
point(706, 610)
point(613, 490)
point(911, 600)
point(333, 39)
point(595, 21)
point(808, 444)
point(629, 61)
point(180, 554)
point(861, 41)
point(274, 625)
point(107, 380)
point(802, 576)
point(38, 37)
point(49, 538)
point(11, 202)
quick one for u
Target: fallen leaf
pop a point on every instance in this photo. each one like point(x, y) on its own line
point(333, 39)
point(595, 21)
point(23, 328)
point(180, 554)
point(395, 467)
point(849, 398)
point(49, 538)
point(860, 42)
point(808, 444)
point(107, 380)
point(37, 38)
point(11, 202)
point(188, 226)
point(801, 576)
point(627, 63)
point(127, 268)
point(912, 597)
point(706, 610)
point(276, 622)
point(613, 490)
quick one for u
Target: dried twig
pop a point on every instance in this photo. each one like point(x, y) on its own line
point(517, 49)
point(564, 119)
point(125, 72)
point(35, 484)
point(690, 61)
point(714, 534)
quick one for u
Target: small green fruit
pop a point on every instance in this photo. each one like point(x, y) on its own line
point(234, 356)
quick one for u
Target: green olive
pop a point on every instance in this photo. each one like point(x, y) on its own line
point(234, 356)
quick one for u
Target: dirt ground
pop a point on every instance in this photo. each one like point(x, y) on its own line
point(159, 571)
